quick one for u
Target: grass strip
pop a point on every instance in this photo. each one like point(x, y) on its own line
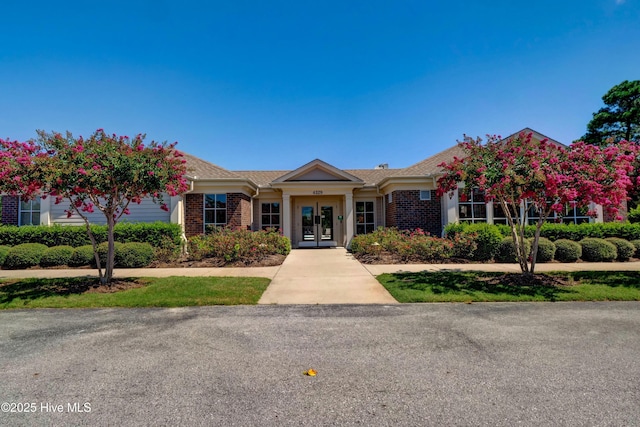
point(473, 286)
point(151, 292)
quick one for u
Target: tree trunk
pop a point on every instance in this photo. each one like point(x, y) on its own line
point(108, 274)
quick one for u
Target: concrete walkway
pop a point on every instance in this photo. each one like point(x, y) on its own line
point(324, 276)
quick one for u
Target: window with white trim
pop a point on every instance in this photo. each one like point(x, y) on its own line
point(570, 214)
point(425, 194)
point(471, 205)
point(365, 217)
point(270, 215)
point(215, 210)
point(29, 212)
point(499, 216)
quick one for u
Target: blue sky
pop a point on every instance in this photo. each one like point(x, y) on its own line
point(273, 85)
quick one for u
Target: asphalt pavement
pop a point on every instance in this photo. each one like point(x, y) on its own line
point(500, 364)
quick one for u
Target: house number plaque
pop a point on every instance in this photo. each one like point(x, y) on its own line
point(317, 192)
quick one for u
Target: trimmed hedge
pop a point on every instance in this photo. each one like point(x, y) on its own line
point(4, 250)
point(567, 250)
point(598, 250)
point(82, 255)
point(546, 250)
point(507, 250)
point(488, 239)
point(56, 256)
point(103, 249)
point(575, 232)
point(625, 248)
point(134, 255)
point(24, 256)
point(154, 233)
point(636, 243)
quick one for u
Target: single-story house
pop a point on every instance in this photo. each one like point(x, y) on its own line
point(316, 204)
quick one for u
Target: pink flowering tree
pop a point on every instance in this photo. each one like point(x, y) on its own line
point(17, 167)
point(523, 172)
point(105, 173)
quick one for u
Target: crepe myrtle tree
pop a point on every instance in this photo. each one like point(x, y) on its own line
point(543, 175)
point(102, 172)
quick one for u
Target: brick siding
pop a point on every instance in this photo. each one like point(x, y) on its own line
point(10, 210)
point(238, 210)
point(408, 212)
point(194, 215)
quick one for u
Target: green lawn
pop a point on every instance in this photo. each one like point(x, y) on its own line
point(155, 292)
point(453, 286)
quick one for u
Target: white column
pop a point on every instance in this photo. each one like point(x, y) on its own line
point(45, 211)
point(348, 218)
point(286, 215)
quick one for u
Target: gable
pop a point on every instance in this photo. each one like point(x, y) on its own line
point(317, 170)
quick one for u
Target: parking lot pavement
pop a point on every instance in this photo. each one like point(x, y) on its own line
point(428, 364)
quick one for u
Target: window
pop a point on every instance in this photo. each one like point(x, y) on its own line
point(471, 205)
point(365, 221)
point(390, 197)
point(215, 210)
point(270, 215)
point(425, 195)
point(499, 216)
point(569, 215)
point(30, 212)
point(575, 215)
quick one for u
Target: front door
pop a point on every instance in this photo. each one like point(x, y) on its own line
point(317, 225)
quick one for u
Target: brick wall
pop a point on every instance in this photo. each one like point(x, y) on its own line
point(194, 215)
point(10, 210)
point(238, 210)
point(390, 210)
point(408, 212)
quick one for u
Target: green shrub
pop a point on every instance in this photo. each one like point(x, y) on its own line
point(507, 251)
point(82, 255)
point(3, 254)
point(625, 248)
point(57, 255)
point(546, 250)
point(598, 250)
point(567, 250)
point(636, 244)
point(488, 240)
point(103, 249)
point(134, 255)
point(24, 255)
point(71, 235)
point(238, 245)
point(464, 244)
point(634, 215)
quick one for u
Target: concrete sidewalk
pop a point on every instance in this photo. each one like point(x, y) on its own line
point(376, 270)
point(324, 276)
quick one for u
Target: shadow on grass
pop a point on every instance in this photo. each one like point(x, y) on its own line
point(469, 282)
point(33, 289)
point(628, 279)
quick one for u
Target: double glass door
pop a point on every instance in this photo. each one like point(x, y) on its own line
point(317, 224)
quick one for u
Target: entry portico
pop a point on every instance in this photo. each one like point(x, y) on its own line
point(317, 204)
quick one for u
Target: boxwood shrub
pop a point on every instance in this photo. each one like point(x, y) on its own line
point(546, 250)
point(154, 233)
point(3, 254)
point(625, 248)
point(82, 255)
point(598, 250)
point(56, 256)
point(507, 250)
point(134, 255)
point(636, 244)
point(567, 250)
point(24, 255)
point(103, 249)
